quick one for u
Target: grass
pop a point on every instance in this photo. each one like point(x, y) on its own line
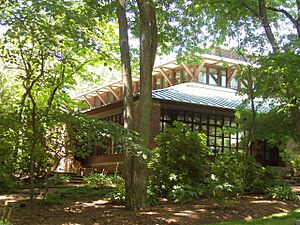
point(275, 219)
point(58, 196)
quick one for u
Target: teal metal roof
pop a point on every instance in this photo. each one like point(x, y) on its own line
point(202, 94)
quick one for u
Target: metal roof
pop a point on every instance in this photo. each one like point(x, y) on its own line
point(202, 94)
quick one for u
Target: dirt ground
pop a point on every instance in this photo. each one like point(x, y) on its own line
point(96, 212)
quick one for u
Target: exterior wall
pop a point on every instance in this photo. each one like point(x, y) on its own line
point(111, 162)
point(155, 120)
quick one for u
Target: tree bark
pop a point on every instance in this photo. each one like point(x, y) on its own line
point(266, 25)
point(132, 173)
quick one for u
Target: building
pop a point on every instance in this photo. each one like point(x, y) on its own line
point(203, 96)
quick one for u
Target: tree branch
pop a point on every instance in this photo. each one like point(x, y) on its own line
point(252, 10)
point(289, 16)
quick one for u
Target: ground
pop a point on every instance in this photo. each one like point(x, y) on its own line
point(96, 211)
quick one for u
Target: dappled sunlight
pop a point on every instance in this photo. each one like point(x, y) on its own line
point(149, 213)
point(6, 197)
point(267, 202)
point(188, 215)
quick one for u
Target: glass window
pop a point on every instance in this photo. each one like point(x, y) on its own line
point(223, 78)
point(202, 77)
point(204, 119)
point(188, 116)
point(234, 83)
point(197, 117)
point(158, 83)
point(213, 76)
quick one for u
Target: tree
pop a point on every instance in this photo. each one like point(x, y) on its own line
point(47, 44)
point(135, 166)
point(269, 28)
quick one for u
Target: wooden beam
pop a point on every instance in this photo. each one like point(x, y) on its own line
point(200, 67)
point(188, 70)
point(87, 100)
point(101, 99)
point(114, 93)
point(231, 77)
point(166, 77)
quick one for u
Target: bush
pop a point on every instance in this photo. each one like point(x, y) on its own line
point(258, 178)
point(180, 162)
point(292, 161)
point(102, 179)
point(96, 180)
point(282, 192)
point(227, 178)
point(59, 179)
point(117, 194)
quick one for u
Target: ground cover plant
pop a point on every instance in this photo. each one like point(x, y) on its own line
point(59, 196)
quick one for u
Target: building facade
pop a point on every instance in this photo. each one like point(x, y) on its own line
point(203, 96)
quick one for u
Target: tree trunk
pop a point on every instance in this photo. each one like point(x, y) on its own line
point(266, 25)
point(131, 173)
point(148, 46)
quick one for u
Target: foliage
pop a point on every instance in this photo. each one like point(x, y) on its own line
point(4, 219)
point(152, 198)
point(185, 192)
point(234, 173)
point(259, 178)
point(102, 179)
point(179, 163)
point(282, 192)
point(273, 126)
point(292, 160)
point(44, 48)
point(75, 193)
point(117, 194)
point(96, 180)
point(59, 179)
point(227, 176)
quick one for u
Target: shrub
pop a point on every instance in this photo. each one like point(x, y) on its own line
point(180, 160)
point(96, 180)
point(292, 160)
point(102, 179)
point(282, 192)
point(227, 178)
point(258, 178)
point(59, 179)
point(117, 194)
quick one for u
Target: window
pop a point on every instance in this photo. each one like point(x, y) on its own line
point(213, 76)
point(223, 78)
point(220, 130)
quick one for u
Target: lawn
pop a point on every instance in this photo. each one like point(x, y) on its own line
point(275, 219)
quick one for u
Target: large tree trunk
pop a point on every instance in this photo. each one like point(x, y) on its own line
point(148, 46)
point(127, 102)
point(135, 170)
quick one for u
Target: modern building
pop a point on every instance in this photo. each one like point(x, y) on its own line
point(203, 96)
